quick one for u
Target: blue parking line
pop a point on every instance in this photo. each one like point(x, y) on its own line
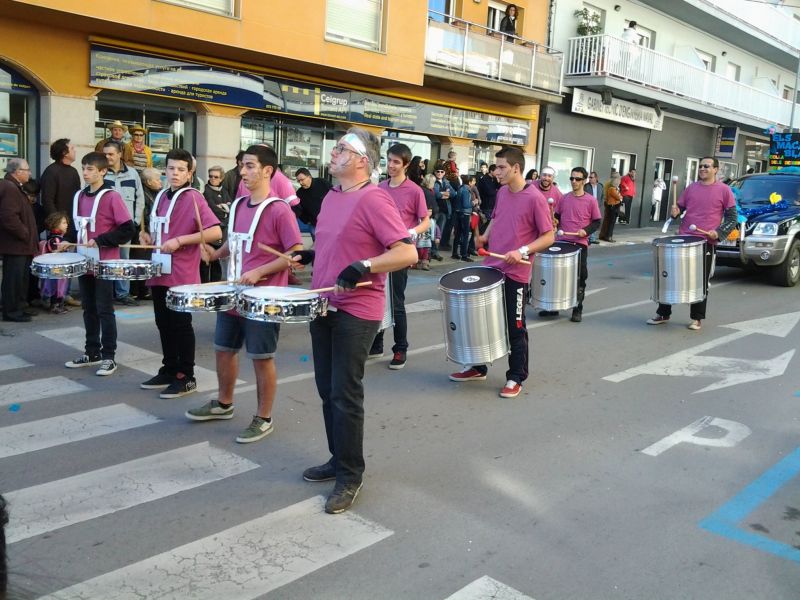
point(725, 521)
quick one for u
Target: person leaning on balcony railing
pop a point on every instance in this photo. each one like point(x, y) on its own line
point(508, 24)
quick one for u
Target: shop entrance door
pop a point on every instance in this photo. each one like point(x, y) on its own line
point(691, 170)
point(663, 171)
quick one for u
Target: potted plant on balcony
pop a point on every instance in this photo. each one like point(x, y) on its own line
point(589, 50)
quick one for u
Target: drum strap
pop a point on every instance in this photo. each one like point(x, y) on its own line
point(239, 242)
point(90, 222)
point(160, 225)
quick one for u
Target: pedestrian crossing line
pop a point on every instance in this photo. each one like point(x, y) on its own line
point(73, 427)
point(56, 504)
point(9, 361)
point(240, 563)
point(486, 587)
point(134, 357)
point(36, 389)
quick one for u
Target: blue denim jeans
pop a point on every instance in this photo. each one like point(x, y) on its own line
point(340, 344)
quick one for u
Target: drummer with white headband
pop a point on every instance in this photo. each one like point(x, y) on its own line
point(257, 219)
point(102, 223)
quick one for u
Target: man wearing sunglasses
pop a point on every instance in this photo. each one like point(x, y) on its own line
point(710, 206)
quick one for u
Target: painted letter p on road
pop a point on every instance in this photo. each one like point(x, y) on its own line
point(735, 433)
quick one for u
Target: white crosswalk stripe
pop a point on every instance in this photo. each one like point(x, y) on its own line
point(9, 361)
point(36, 389)
point(240, 563)
point(57, 504)
point(486, 587)
point(73, 427)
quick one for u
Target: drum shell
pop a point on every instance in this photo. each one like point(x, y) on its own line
point(475, 327)
point(679, 270)
point(388, 308)
point(199, 298)
point(280, 310)
point(554, 278)
point(127, 270)
point(70, 270)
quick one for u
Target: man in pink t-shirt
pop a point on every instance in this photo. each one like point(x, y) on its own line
point(710, 206)
point(578, 217)
point(410, 202)
point(360, 237)
point(101, 220)
point(548, 187)
point(174, 227)
point(258, 219)
point(521, 226)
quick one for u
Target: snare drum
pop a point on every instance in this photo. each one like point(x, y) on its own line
point(276, 304)
point(202, 298)
point(127, 269)
point(59, 265)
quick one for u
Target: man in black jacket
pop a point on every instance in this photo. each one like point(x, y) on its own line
point(487, 189)
point(60, 180)
point(311, 193)
point(232, 178)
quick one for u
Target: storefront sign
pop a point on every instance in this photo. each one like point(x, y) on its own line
point(14, 83)
point(126, 70)
point(784, 150)
point(591, 104)
point(726, 142)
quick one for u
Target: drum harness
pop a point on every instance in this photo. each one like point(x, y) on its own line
point(239, 242)
point(84, 223)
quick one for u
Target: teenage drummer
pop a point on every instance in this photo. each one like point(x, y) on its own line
point(256, 219)
point(711, 208)
point(102, 222)
point(578, 217)
point(179, 222)
point(521, 226)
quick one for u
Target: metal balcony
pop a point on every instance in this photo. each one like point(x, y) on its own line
point(606, 61)
point(459, 51)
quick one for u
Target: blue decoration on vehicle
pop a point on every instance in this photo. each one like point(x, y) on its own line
point(745, 214)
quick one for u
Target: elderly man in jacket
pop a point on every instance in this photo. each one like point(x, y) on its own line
point(18, 238)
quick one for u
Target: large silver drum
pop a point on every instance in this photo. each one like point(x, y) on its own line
point(678, 269)
point(388, 309)
point(554, 280)
point(474, 314)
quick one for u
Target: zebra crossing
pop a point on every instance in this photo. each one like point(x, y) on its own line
point(262, 554)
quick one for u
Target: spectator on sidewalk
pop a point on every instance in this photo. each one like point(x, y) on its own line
point(612, 202)
point(627, 188)
point(118, 131)
point(595, 188)
point(60, 180)
point(141, 156)
point(311, 193)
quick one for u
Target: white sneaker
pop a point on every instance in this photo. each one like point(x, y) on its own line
point(107, 367)
point(695, 325)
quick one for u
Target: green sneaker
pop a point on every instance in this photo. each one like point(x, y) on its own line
point(259, 428)
point(209, 412)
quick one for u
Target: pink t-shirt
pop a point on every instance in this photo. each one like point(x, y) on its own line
point(111, 213)
point(277, 229)
point(279, 186)
point(186, 261)
point(705, 206)
point(553, 192)
point(409, 199)
point(355, 226)
point(518, 219)
point(577, 212)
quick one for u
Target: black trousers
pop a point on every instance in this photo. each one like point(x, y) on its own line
point(697, 311)
point(97, 302)
point(461, 234)
point(400, 329)
point(627, 201)
point(583, 275)
point(14, 286)
point(177, 335)
point(515, 296)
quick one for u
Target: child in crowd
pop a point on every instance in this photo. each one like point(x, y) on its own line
point(424, 244)
point(53, 291)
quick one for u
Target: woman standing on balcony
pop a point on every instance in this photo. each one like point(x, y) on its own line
point(508, 24)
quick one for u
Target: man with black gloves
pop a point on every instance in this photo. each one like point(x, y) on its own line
point(360, 237)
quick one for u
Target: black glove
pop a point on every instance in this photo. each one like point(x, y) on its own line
point(349, 277)
point(306, 256)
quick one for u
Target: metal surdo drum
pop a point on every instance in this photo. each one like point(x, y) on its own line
point(554, 279)
point(388, 308)
point(59, 265)
point(127, 269)
point(474, 315)
point(276, 304)
point(202, 298)
point(678, 269)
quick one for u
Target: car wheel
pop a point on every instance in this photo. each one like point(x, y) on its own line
point(787, 274)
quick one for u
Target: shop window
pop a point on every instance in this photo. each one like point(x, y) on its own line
point(564, 158)
point(484, 153)
point(420, 145)
point(355, 22)
point(221, 7)
point(18, 117)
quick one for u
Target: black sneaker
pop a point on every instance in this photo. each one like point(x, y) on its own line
point(467, 259)
point(548, 313)
point(324, 472)
point(83, 361)
point(107, 367)
point(127, 301)
point(375, 352)
point(158, 382)
point(398, 361)
point(342, 497)
point(577, 316)
point(180, 386)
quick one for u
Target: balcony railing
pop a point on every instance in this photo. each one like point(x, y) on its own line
point(608, 56)
point(774, 21)
point(477, 50)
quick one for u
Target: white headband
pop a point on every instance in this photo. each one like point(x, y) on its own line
point(356, 143)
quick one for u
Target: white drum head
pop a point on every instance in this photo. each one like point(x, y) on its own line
point(221, 288)
point(276, 292)
point(60, 258)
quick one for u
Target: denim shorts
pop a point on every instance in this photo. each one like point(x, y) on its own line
point(234, 331)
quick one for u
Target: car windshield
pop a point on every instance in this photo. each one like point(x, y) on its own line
point(756, 191)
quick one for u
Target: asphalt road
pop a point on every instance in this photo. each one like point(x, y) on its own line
point(639, 462)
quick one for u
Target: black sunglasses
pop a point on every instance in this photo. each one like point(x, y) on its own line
point(576, 178)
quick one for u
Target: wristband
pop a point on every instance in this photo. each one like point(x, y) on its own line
point(524, 250)
point(413, 233)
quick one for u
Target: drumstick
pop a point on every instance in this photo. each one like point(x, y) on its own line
point(485, 252)
point(325, 289)
point(573, 233)
point(139, 246)
point(273, 251)
point(694, 227)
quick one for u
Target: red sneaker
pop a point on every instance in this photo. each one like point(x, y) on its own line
point(468, 374)
point(511, 389)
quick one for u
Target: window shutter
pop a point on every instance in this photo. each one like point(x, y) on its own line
point(357, 22)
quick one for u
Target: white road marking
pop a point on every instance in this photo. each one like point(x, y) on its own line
point(423, 306)
point(735, 433)
point(36, 389)
point(64, 429)
point(64, 502)
point(134, 357)
point(487, 588)
point(9, 361)
point(240, 563)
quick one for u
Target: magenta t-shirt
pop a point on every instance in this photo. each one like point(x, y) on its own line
point(577, 212)
point(553, 192)
point(518, 219)
point(410, 201)
point(279, 186)
point(355, 226)
point(186, 261)
point(277, 229)
point(111, 213)
point(705, 206)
